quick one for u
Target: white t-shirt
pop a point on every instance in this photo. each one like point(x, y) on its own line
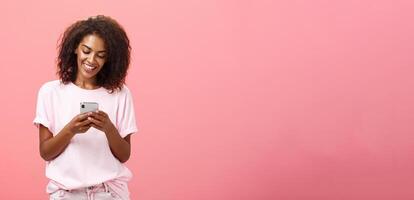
point(87, 160)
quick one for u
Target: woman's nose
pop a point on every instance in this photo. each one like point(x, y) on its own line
point(91, 58)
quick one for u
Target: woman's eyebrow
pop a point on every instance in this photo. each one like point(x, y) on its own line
point(91, 48)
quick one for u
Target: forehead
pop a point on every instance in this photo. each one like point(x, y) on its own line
point(94, 42)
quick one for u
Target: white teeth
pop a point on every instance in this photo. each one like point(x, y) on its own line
point(88, 67)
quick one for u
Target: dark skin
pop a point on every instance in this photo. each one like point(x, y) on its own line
point(90, 53)
point(50, 147)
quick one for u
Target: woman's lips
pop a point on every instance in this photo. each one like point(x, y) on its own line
point(89, 68)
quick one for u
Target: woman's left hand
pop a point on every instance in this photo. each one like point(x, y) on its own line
point(100, 120)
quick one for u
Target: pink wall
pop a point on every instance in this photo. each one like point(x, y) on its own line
point(246, 100)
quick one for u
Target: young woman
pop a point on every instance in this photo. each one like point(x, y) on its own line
point(85, 152)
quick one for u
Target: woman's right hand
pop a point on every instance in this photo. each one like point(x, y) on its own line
point(52, 146)
point(79, 124)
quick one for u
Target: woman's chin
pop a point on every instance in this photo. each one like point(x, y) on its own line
point(87, 75)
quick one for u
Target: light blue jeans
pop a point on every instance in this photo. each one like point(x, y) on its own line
point(98, 192)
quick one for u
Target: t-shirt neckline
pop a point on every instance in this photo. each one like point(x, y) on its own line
point(86, 90)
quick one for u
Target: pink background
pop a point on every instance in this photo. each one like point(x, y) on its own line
point(246, 100)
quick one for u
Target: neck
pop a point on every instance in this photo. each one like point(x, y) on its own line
point(86, 83)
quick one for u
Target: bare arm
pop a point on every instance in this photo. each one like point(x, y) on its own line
point(120, 147)
point(50, 147)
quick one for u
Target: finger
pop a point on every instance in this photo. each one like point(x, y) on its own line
point(84, 123)
point(95, 121)
point(82, 116)
point(97, 127)
point(102, 113)
point(83, 129)
point(98, 117)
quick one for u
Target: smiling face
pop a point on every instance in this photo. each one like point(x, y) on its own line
point(91, 56)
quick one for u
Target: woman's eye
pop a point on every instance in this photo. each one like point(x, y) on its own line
point(101, 56)
point(86, 52)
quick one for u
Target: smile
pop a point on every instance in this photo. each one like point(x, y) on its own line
point(89, 68)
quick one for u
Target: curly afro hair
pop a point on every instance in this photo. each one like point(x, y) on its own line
point(113, 73)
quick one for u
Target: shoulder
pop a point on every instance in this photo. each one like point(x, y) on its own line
point(124, 94)
point(124, 91)
point(50, 86)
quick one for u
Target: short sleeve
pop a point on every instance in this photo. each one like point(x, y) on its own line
point(43, 114)
point(126, 122)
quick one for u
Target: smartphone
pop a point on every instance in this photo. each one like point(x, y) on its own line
point(88, 107)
